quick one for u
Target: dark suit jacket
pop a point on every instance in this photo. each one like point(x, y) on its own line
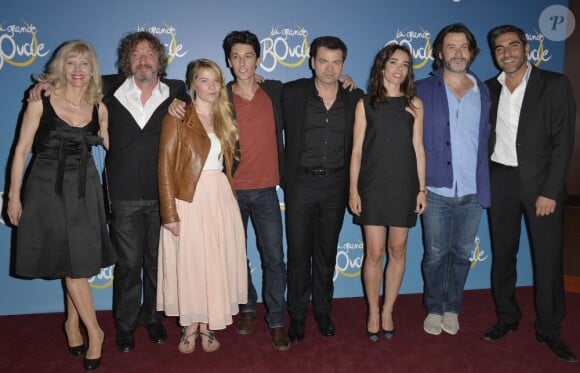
point(294, 100)
point(545, 137)
point(273, 89)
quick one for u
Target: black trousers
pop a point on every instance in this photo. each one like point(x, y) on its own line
point(314, 218)
point(134, 231)
point(546, 241)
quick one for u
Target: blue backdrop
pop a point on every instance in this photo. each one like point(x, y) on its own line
point(190, 30)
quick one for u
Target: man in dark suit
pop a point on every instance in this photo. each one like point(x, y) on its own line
point(532, 114)
point(137, 101)
point(318, 119)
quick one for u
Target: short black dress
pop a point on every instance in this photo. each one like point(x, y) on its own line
point(388, 182)
point(62, 230)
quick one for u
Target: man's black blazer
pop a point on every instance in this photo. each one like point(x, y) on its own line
point(294, 101)
point(545, 136)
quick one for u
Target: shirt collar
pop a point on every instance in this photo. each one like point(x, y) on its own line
point(475, 86)
point(133, 89)
point(501, 76)
point(339, 93)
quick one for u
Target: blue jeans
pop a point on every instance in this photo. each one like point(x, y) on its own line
point(450, 225)
point(263, 207)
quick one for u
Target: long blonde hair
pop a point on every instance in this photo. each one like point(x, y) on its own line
point(56, 76)
point(224, 124)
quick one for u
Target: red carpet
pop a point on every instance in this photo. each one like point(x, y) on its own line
point(32, 343)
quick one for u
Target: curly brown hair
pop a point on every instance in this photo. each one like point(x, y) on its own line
point(127, 47)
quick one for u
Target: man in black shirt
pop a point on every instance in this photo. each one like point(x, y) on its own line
point(318, 119)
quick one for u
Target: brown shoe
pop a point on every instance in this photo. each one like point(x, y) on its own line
point(280, 340)
point(246, 324)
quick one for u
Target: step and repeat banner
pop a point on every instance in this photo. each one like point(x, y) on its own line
point(29, 34)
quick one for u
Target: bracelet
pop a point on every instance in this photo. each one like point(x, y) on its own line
point(423, 191)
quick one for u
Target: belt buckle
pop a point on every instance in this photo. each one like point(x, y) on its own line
point(319, 171)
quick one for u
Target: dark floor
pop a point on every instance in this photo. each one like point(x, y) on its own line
point(36, 343)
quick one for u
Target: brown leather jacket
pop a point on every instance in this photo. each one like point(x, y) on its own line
point(183, 150)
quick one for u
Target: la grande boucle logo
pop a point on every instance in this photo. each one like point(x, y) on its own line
point(419, 43)
point(20, 45)
point(103, 279)
point(285, 46)
point(168, 36)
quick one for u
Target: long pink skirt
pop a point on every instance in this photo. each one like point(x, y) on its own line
point(202, 274)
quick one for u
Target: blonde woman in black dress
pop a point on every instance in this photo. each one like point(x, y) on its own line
point(387, 178)
point(62, 231)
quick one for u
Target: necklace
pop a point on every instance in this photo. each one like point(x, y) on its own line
point(72, 104)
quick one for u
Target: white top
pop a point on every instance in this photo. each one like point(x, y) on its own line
point(508, 117)
point(214, 158)
point(129, 95)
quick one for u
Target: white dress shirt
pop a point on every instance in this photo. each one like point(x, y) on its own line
point(508, 117)
point(129, 95)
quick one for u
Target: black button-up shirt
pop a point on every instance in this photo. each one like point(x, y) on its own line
point(323, 142)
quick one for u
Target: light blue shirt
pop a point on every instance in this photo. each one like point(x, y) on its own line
point(464, 118)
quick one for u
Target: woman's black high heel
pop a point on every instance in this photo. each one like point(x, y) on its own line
point(91, 365)
point(373, 336)
point(389, 334)
point(77, 351)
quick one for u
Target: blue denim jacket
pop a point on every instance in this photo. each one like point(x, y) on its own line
point(437, 138)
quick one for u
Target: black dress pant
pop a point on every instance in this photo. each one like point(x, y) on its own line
point(508, 202)
point(134, 231)
point(314, 217)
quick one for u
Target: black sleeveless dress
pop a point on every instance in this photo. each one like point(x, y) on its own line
point(388, 182)
point(62, 230)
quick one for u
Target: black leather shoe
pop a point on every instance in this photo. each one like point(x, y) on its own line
point(325, 325)
point(557, 346)
point(296, 330)
point(499, 331)
point(157, 333)
point(91, 365)
point(125, 341)
point(77, 351)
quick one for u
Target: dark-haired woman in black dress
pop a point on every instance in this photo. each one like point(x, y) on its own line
point(387, 178)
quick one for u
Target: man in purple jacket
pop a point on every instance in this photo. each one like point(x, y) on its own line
point(456, 133)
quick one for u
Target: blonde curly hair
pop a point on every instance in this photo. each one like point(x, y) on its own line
point(55, 69)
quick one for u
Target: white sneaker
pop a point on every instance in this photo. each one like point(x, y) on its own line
point(450, 323)
point(432, 324)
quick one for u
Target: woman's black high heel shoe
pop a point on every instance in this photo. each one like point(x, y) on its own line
point(91, 365)
point(77, 351)
point(373, 336)
point(389, 334)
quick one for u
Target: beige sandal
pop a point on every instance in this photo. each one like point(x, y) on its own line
point(187, 342)
point(211, 343)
